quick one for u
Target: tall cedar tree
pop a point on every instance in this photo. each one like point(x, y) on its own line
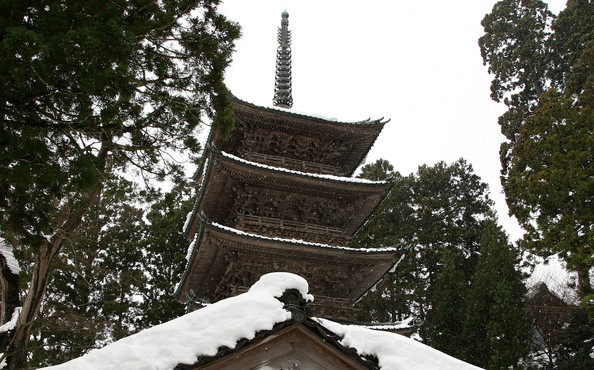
point(90, 298)
point(450, 307)
point(543, 69)
point(496, 326)
point(429, 215)
point(165, 259)
point(88, 83)
point(115, 275)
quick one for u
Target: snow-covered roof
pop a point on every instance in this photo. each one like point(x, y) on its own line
point(302, 242)
point(394, 351)
point(304, 174)
point(203, 332)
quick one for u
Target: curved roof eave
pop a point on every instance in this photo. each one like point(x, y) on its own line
point(366, 122)
point(330, 178)
point(230, 230)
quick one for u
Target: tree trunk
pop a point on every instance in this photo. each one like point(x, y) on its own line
point(9, 283)
point(18, 347)
point(584, 286)
point(17, 350)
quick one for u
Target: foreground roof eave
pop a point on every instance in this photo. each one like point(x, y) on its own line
point(312, 325)
point(367, 122)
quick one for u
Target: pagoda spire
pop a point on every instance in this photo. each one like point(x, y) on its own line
point(282, 84)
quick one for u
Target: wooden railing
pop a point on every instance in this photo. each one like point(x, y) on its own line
point(293, 164)
point(294, 225)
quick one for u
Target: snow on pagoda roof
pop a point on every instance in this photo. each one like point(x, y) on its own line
point(302, 242)
point(299, 173)
point(406, 323)
point(203, 332)
point(306, 115)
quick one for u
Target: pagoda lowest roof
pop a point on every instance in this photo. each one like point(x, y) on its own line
point(361, 135)
point(339, 273)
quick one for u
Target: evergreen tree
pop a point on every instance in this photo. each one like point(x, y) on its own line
point(543, 69)
point(447, 317)
point(74, 112)
point(97, 275)
point(164, 257)
point(434, 213)
point(379, 171)
point(496, 325)
point(116, 275)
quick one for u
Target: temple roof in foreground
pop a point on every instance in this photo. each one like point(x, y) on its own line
point(234, 331)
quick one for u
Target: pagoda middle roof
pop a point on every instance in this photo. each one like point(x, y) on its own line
point(368, 194)
point(360, 134)
point(352, 180)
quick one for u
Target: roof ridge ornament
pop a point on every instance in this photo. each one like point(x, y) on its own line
point(282, 84)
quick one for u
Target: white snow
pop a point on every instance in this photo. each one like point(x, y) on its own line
point(13, 320)
point(223, 323)
point(9, 326)
point(189, 254)
point(191, 248)
point(188, 220)
point(303, 242)
point(6, 251)
point(392, 326)
point(394, 351)
point(198, 333)
point(276, 283)
point(554, 273)
point(308, 174)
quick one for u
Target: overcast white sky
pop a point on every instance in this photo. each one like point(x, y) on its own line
point(415, 62)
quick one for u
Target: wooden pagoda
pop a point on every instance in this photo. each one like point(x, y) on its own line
point(278, 196)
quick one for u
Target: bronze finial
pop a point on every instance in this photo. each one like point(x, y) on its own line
point(282, 84)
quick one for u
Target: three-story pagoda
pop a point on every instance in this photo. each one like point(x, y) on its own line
point(278, 195)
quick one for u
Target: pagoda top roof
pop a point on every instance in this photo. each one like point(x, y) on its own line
point(360, 135)
point(244, 105)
